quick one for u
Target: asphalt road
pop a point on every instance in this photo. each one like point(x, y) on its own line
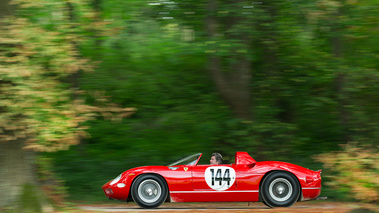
point(300, 207)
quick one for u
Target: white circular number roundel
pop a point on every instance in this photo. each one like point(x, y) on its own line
point(220, 177)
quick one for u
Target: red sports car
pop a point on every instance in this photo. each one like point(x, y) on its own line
point(277, 184)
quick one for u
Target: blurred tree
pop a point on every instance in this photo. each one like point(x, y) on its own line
point(37, 114)
point(302, 74)
point(223, 29)
point(345, 35)
point(228, 54)
point(145, 64)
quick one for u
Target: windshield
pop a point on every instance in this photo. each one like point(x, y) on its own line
point(187, 160)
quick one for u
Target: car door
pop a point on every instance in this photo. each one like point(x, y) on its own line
point(214, 177)
point(222, 183)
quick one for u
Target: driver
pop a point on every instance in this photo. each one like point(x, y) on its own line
point(216, 159)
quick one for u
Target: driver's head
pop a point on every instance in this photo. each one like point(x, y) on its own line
point(216, 159)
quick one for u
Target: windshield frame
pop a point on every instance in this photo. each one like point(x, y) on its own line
point(189, 160)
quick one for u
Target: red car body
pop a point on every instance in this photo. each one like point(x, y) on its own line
point(271, 182)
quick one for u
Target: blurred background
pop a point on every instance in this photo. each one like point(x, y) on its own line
point(93, 88)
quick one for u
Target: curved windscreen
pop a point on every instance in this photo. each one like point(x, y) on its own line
point(187, 160)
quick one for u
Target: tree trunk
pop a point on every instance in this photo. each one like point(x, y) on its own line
point(18, 186)
point(270, 45)
point(5, 8)
point(231, 75)
point(340, 79)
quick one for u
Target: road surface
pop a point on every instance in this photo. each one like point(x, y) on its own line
point(300, 207)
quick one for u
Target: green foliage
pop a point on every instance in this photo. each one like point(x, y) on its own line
point(36, 60)
point(178, 110)
point(354, 170)
point(314, 81)
point(36, 103)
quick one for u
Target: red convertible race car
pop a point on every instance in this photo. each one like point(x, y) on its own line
point(277, 184)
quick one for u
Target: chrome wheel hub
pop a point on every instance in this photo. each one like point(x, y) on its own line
point(149, 191)
point(280, 189)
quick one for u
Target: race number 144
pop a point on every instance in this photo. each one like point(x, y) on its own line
point(218, 176)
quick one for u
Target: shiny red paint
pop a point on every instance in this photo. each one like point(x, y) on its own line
point(187, 183)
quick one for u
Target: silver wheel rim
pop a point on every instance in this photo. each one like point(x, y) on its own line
point(149, 191)
point(280, 189)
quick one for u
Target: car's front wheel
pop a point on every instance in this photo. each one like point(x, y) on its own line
point(149, 191)
point(280, 189)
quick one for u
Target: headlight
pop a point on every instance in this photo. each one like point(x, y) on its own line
point(116, 179)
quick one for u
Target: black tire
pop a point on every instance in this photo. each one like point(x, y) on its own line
point(280, 189)
point(149, 191)
point(264, 202)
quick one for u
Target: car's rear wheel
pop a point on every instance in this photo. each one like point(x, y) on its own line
point(149, 191)
point(280, 189)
